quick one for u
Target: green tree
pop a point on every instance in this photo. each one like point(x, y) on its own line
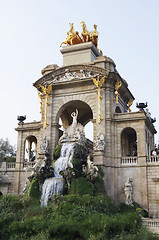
point(6, 149)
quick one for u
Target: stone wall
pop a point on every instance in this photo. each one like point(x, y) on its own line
point(7, 176)
point(153, 188)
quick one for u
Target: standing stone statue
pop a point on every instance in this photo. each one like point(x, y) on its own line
point(128, 192)
point(44, 147)
point(99, 143)
point(74, 115)
point(75, 132)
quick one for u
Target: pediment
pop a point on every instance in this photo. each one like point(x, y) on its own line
point(70, 73)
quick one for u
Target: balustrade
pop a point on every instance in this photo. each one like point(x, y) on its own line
point(151, 224)
point(28, 164)
point(11, 165)
point(4, 166)
point(128, 160)
point(152, 159)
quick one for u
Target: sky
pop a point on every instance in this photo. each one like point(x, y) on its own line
point(30, 35)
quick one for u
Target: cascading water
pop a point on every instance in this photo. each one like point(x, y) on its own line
point(73, 134)
point(54, 185)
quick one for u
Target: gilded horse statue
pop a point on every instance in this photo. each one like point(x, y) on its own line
point(94, 36)
point(72, 37)
point(85, 34)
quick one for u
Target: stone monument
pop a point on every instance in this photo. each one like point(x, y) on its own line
point(122, 139)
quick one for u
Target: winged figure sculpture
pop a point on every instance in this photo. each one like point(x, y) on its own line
point(98, 82)
point(46, 90)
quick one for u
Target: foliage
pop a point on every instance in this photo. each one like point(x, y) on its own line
point(79, 159)
point(81, 186)
point(6, 149)
point(10, 159)
point(70, 217)
point(99, 186)
point(86, 213)
point(11, 209)
point(33, 190)
point(80, 152)
point(142, 212)
point(56, 152)
point(123, 207)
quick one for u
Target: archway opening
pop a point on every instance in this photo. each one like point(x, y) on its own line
point(85, 115)
point(128, 142)
point(30, 149)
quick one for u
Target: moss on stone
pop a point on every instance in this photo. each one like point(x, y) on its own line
point(56, 152)
point(33, 190)
point(81, 186)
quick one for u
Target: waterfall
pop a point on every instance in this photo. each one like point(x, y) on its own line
point(54, 185)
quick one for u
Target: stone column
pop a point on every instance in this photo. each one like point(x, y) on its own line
point(141, 144)
point(141, 154)
point(19, 161)
point(108, 103)
point(99, 128)
point(55, 134)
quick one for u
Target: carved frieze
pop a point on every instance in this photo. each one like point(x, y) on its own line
point(69, 73)
point(72, 75)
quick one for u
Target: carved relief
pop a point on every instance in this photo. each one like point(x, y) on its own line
point(72, 75)
point(99, 143)
point(44, 146)
point(79, 71)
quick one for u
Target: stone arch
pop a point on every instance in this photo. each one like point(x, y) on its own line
point(85, 112)
point(128, 142)
point(30, 149)
point(84, 116)
point(65, 101)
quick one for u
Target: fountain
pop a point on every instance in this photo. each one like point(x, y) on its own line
point(74, 134)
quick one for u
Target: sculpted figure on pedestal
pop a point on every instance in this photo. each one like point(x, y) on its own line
point(75, 132)
point(44, 147)
point(99, 143)
point(128, 192)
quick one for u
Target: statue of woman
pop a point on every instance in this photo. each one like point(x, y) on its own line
point(74, 116)
point(128, 192)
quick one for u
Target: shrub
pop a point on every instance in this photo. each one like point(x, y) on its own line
point(56, 152)
point(127, 222)
point(11, 159)
point(33, 190)
point(71, 217)
point(11, 203)
point(28, 227)
point(123, 207)
point(81, 186)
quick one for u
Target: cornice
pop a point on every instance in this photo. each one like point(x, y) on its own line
point(80, 71)
point(29, 126)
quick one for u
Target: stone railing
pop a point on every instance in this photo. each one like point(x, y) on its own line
point(128, 160)
point(11, 165)
point(152, 224)
point(4, 166)
point(152, 159)
point(28, 164)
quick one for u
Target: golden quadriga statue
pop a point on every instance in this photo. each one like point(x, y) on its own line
point(86, 36)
